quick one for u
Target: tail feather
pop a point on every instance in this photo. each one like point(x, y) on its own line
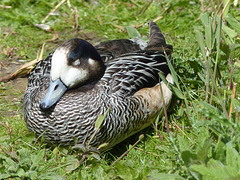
point(156, 36)
point(157, 40)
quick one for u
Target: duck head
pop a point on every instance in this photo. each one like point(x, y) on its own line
point(74, 63)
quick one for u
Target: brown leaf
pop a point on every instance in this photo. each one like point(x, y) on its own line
point(8, 51)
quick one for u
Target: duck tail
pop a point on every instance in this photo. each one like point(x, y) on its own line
point(156, 39)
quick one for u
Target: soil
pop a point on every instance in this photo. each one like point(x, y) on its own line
point(11, 92)
point(19, 84)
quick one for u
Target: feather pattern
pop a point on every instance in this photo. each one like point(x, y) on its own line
point(74, 116)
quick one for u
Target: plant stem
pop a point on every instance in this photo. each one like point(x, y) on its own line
point(124, 154)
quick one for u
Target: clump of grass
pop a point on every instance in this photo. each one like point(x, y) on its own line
point(203, 142)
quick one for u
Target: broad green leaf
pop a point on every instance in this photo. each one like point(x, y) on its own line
point(189, 158)
point(209, 107)
point(173, 72)
point(73, 163)
point(236, 104)
point(80, 147)
point(226, 9)
point(175, 90)
point(100, 119)
point(204, 150)
point(230, 32)
point(214, 170)
point(123, 171)
point(95, 156)
point(200, 42)
point(103, 145)
point(5, 176)
point(21, 172)
point(178, 93)
point(235, 53)
point(203, 136)
point(163, 78)
point(205, 19)
point(132, 32)
point(235, 24)
point(208, 36)
point(99, 172)
point(219, 151)
point(232, 157)
point(183, 144)
point(51, 176)
point(55, 150)
point(37, 159)
point(218, 30)
point(164, 176)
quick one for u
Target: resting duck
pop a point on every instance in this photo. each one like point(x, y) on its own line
point(77, 82)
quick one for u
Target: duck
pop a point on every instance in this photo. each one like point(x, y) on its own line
point(77, 82)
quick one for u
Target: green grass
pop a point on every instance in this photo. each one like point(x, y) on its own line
point(203, 142)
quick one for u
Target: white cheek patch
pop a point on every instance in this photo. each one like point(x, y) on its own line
point(59, 62)
point(73, 76)
point(91, 61)
point(69, 75)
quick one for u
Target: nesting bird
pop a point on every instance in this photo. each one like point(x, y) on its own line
point(77, 82)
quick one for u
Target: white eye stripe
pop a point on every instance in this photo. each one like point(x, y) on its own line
point(76, 62)
point(91, 61)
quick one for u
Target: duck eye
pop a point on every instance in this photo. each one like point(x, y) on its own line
point(55, 87)
point(76, 62)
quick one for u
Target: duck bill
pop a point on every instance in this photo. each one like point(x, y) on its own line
point(55, 91)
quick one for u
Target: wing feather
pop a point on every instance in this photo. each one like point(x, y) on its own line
point(131, 72)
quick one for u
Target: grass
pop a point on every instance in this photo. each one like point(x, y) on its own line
point(204, 140)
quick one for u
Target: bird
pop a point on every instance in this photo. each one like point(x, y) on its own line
point(77, 82)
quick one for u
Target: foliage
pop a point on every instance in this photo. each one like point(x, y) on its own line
point(204, 117)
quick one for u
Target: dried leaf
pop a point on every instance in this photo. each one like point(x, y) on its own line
point(43, 26)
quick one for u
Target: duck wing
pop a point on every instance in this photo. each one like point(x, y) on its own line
point(130, 72)
point(111, 49)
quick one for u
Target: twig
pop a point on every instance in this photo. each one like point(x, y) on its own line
point(160, 137)
point(76, 15)
point(24, 69)
point(124, 154)
point(55, 36)
point(147, 152)
point(144, 8)
point(53, 10)
point(157, 18)
point(85, 138)
point(225, 7)
point(235, 3)
point(119, 27)
point(7, 7)
point(8, 128)
point(99, 19)
point(233, 97)
point(83, 159)
point(182, 131)
point(69, 4)
point(164, 110)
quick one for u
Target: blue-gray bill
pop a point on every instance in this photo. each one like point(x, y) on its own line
point(55, 92)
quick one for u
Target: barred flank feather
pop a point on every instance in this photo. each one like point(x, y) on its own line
point(129, 74)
